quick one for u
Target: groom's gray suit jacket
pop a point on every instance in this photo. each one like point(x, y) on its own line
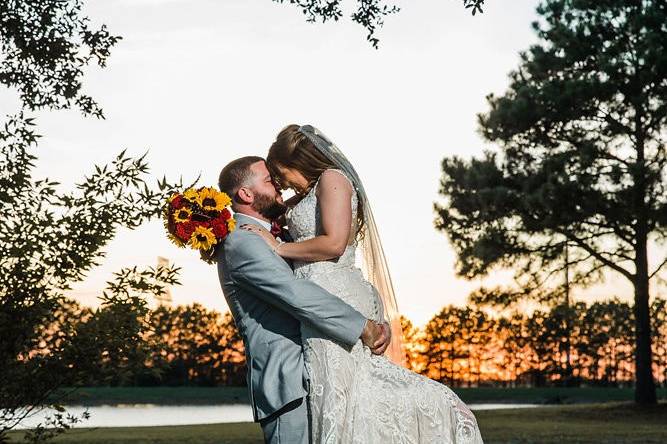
point(268, 304)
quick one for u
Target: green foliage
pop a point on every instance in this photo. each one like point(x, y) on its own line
point(116, 339)
point(466, 346)
point(580, 182)
point(50, 239)
point(46, 45)
point(581, 130)
point(369, 13)
point(123, 343)
point(197, 346)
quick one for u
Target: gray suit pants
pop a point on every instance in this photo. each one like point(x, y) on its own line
point(289, 425)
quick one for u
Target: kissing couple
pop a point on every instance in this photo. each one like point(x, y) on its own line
point(317, 331)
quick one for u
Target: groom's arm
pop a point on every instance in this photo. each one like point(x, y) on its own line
point(259, 270)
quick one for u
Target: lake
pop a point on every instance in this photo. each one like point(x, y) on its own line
point(136, 415)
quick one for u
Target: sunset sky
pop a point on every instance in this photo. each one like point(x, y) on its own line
point(199, 83)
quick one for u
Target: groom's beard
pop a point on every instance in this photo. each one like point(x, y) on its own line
point(268, 206)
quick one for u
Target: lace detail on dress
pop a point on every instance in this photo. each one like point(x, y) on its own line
point(356, 397)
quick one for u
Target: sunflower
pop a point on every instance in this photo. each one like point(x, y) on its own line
point(231, 224)
point(202, 238)
point(211, 199)
point(191, 194)
point(182, 215)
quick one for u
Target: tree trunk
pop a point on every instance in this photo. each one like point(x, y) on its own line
point(645, 386)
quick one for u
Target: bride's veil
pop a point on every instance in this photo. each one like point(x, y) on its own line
point(374, 263)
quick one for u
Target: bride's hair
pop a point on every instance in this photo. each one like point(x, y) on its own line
point(293, 149)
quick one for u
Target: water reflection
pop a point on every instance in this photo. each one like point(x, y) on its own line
point(137, 415)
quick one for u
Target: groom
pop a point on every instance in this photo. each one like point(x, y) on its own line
point(269, 304)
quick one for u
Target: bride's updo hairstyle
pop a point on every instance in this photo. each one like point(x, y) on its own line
point(293, 149)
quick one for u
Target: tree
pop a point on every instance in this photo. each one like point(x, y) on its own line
point(369, 13)
point(49, 239)
point(659, 310)
point(456, 344)
point(199, 346)
point(512, 332)
point(115, 339)
point(413, 344)
point(232, 359)
point(582, 162)
point(465, 345)
point(441, 339)
point(46, 44)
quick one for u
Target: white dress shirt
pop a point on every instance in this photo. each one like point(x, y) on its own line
point(263, 223)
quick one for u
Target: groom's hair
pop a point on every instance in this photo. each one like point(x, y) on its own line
point(235, 174)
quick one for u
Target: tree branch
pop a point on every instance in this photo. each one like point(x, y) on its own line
point(597, 255)
point(655, 272)
point(615, 228)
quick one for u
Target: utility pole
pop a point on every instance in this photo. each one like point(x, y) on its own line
point(568, 320)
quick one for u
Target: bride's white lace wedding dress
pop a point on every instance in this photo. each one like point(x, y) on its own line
point(357, 397)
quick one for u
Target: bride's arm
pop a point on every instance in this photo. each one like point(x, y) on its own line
point(334, 192)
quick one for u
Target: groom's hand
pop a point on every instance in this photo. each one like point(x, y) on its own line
point(376, 337)
point(383, 342)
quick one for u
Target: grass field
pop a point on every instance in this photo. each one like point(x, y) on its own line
point(234, 395)
point(591, 423)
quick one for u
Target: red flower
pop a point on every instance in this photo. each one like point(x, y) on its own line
point(184, 230)
point(219, 227)
point(177, 202)
point(225, 214)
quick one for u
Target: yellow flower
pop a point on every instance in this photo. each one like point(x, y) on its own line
point(231, 224)
point(182, 215)
point(202, 238)
point(191, 194)
point(211, 199)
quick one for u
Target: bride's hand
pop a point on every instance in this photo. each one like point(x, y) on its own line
point(263, 233)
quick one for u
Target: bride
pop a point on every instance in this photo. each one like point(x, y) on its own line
point(355, 396)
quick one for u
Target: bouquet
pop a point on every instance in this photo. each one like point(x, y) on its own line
point(199, 219)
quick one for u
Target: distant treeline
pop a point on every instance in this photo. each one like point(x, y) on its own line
point(191, 345)
point(175, 346)
point(570, 345)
